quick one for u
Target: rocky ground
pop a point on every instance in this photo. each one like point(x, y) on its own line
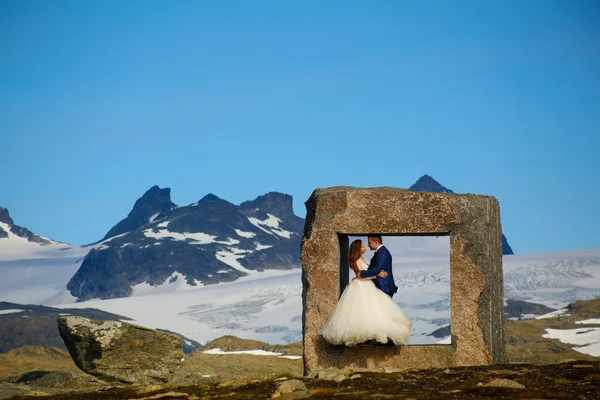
point(567, 380)
point(538, 368)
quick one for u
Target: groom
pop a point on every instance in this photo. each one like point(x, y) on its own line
point(381, 261)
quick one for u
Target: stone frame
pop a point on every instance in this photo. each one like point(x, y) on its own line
point(476, 280)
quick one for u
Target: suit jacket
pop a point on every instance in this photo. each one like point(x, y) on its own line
point(382, 260)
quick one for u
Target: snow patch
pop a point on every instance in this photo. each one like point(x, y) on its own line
point(175, 282)
point(198, 238)
point(252, 352)
point(586, 339)
point(271, 222)
point(261, 246)
point(446, 340)
point(231, 256)
point(10, 311)
point(64, 296)
point(229, 242)
point(6, 228)
point(283, 233)
point(152, 218)
point(194, 238)
point(589, 321)
point(245, 234)
point(109, 239)
point(553, 314)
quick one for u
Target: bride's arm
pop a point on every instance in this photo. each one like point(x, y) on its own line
point(367, 278)
point(381, 274)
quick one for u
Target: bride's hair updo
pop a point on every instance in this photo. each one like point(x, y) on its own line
point(355, 252)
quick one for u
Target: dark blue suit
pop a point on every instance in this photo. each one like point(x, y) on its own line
point(382, 260)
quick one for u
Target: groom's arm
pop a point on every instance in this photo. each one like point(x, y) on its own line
point(374, 269)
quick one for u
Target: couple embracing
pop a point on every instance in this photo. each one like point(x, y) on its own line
point(366, 312)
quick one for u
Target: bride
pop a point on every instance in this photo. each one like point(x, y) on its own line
point(365, 313)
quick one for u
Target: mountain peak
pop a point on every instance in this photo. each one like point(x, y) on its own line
point(155, 192)
point(278, 204)
point(17, 230)
point(145, 209)
point(427, 184)
point(208, 198)
point(5, 216)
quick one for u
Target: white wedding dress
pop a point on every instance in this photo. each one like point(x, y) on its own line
point(365, 313)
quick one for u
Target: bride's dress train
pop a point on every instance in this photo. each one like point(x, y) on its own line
point(365, 313)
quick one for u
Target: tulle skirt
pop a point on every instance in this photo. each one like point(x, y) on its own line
point(365, 313)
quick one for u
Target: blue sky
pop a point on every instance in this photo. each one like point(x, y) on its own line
point(100, 100)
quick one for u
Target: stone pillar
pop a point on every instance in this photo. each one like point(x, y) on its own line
point(476, 280)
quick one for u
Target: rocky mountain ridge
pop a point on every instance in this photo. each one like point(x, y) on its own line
point(8, 229)
point(204, 243)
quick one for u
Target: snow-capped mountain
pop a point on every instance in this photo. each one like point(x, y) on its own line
point(29, 260)
point(145, 210)
point(207, 242)
point(8, 230)
point(427, 184)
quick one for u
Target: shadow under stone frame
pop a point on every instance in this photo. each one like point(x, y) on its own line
point(476, 281)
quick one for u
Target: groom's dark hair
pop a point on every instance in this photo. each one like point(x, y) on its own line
point(377, 238)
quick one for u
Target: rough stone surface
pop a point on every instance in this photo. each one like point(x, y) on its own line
point(293, 385)
point(331, 374)
point(476, 281)
point(505, 383)
point(121, 352)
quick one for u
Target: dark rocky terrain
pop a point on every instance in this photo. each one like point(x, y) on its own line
point(519, 308)
point(568, 380)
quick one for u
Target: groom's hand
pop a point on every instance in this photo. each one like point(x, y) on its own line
point(382, 274)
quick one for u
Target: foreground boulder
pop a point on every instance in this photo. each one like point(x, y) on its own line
point(117, 351)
